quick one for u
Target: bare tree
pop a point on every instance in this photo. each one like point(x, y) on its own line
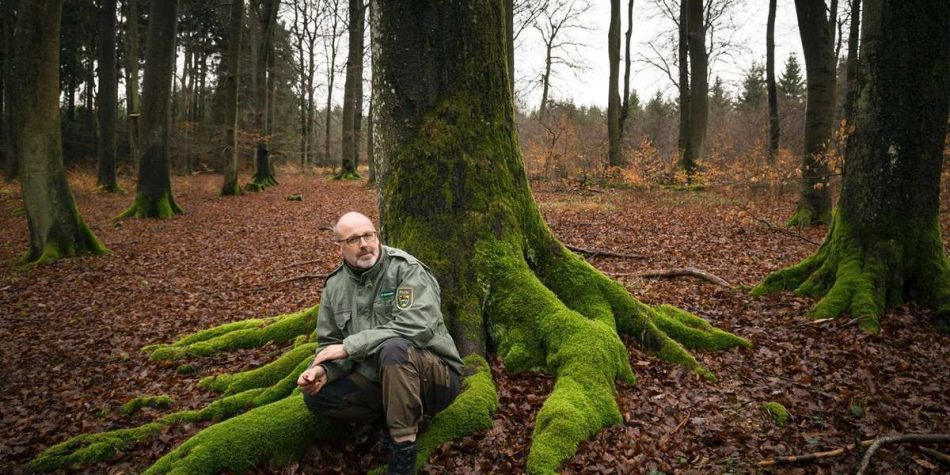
point(625, 100)
point(108, 97)
point(133, 106)
point(852, 64)
point(770, 83)
point(613, 97)
point(307, 16)
point(555, 24)
point(352, 90)
point(265, 12)
point(8, 10)
point(332, 33)
point(233, 75)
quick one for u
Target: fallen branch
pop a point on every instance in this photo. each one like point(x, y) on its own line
point(918, 438)
point(936, 455)
point(594, 253)
point(681, 272)
point(301, 277)
point(300, 263)
point(776, 229)
point(812, 456)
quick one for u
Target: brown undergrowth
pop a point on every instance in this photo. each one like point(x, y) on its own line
point(70, 332)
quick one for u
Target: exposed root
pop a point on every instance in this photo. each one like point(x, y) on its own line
point(84, 242)
point(251, 333)
point(156, 402)
point(592, 253)
point(348, 176)
point(680, 272)
point(260, 183)
point(145, 207)
point(266, 375)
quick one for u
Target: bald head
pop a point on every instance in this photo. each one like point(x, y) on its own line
point(356, 235)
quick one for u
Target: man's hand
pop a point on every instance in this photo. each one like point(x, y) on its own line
point(312, 380)
point(330, 353)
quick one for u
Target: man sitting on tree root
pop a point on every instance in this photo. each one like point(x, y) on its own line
point(384, 348)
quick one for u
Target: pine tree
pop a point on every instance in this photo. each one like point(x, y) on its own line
point(791, 84)
point(753, 87)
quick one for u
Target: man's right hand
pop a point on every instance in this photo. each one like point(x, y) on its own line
point(312, 380)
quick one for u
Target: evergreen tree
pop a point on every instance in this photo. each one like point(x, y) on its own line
point(753, 87)
point(718, 97)
point(791, 84)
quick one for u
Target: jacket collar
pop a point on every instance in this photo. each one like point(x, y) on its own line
point(370, 274)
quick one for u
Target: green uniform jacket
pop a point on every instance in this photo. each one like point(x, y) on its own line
point(397, 297)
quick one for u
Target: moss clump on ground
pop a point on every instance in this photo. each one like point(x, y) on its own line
point(348, 176)
point(146, 207)
point(156, 402)
point(778, 412)
point(236, 335)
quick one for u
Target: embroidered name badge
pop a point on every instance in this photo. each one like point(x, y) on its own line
point(387, 294)
point(404, 297)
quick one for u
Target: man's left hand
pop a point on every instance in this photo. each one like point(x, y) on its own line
point(330, 353)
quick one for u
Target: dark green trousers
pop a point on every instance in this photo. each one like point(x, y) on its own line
point(411, 383)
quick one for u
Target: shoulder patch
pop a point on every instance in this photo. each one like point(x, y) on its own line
point(404, 297)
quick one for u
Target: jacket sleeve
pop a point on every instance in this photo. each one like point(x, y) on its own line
point(415, 323)
point(329, 334)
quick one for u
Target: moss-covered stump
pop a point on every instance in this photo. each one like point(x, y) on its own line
point(145, 206)
point(856, 275)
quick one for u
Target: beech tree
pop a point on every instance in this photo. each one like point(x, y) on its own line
point(11, 167)
point(56, 229)
point(233, 75)
point(614, 157)
point(453, 191)
point(698, 88)
point(154, 193)
point(770, 83)
point(816, 26)
point(132, 98)
point(352, 91)
point(108, 97)
point(263, 80)
point(884, 245)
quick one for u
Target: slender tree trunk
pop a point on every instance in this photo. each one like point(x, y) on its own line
point(510, 45)
point(264, 175)
point(56, 229)
point(625, 100)
point(71, 86)
point(614, 157)
point(132, 82)
point(698, 90)
point(817, 30)
point(545, 80)
point(154, 195)
point(770, 84)
point(884, 246)
point(11, 170)
point(854, 34)
point(108, 97)
point(683, 74)
point(231, 87)
point(352, 90)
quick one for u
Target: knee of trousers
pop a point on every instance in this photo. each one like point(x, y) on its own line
point(393, 351)
point(314, 402)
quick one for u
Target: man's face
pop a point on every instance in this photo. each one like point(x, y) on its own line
point(361, 253)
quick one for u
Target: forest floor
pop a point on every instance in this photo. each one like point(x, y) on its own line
point(70, 332)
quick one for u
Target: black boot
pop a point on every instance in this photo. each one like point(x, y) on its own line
point(402, 457)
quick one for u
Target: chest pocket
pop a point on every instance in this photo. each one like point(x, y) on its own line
point(342, 318)
point(383, 311)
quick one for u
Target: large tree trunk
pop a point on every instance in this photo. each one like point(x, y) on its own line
point(132, 82)
point(231, 151)
point(851, 94)
point(885, 246)
point(154, 195)
point(56, 229)
point(11, 169)
point(698, 90)
point(625, 100)
point(770, 84)
point(683, 55)
point(267, 17)
point(352, 89)
point(108, 97)
point(817, 30)
point(614, 157)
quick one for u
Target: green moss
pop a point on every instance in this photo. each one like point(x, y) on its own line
point(264, 376)
point(348, 176)
point(260, 183)
point(157, 402)
point(232, 190)
point(277, 432)
point(90, 448)
point(145, 207)
point(694, 332)
point(778, 412)
point(801, 218)
point(246, 334)
point(60, 245)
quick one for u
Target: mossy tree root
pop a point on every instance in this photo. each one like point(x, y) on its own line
point(260, 183)
point(266, 375)
point(59, 247)
point(251, 333)
point(864, 278)
point(348, 176)
point(146, 207)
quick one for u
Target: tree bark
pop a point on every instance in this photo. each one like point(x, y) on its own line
point(614, 157)
point(770, 84)
point(154, 194)
point(11, 169)
point(885, 247)
point(683, 74)
point(267, 17)
point(352, 90)
point(56, 229)
point(817, 31)
point(132, 82)
point(231, 82)
point(108, 98)
point(698, 89)
point(852, 63)
point(625, 100)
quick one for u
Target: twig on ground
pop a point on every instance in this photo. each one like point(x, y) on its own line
point(681, 272)
point(301, 277)
point(777, 229)
point(813, 456)
point(665, 440)
point(300, 263)
point(594, 253)
point(918, 438)
point(936, 455)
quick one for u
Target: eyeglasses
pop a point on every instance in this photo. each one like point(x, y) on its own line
point(369, 237)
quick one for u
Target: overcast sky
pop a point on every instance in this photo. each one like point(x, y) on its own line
point(589, 87)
